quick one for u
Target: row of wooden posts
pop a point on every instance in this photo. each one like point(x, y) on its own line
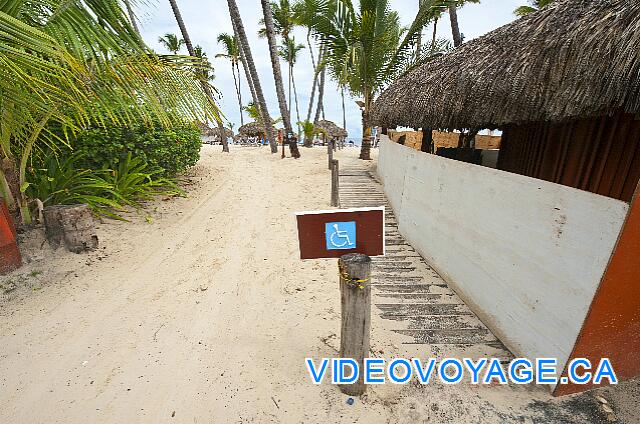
point(354, 276)
point(334, 167)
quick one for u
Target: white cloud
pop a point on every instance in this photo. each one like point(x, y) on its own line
point(205, 19)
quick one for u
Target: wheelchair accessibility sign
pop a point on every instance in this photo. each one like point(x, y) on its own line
point(331, 234)
point(340, 235)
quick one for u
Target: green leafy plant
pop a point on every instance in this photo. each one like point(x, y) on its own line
point(61, 182)
point(135, 180)
point(173, 149)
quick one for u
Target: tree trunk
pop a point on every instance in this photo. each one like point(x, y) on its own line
point(312, 98)
point(433, 36)
point(344, 110)
point(246, 50)
point(132, 16)
point(295, 97)
point(277, 74)
point(235, 82)
point(419, 40)
point(239, 92)
point(455, 29)
point(71, 225)
point(320, 96)
point(247, 73)
point(183, 28)
point(192, 53)
point(365, 149)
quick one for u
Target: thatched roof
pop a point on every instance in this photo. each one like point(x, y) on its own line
point(215, 132)
point(332, 130)
point(575, 58)
point(252, 129)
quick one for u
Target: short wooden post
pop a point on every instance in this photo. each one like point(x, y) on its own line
point(335, 183)
point(71, 225)
point(355, 296)
point(329, 154)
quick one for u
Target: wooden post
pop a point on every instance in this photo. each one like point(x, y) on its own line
point(71, 225)
point(329, 154)
point(355, 296)
point(335, 183)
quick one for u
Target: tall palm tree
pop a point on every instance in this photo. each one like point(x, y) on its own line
point(289, 52)
point(132, 16)
point(236, 20)
point(305, 13)
point(366, 47)
point(231, 52)
point(192, 53)
point(277, 75)
point(171, 42)
point(534, 6)
point(453, 17)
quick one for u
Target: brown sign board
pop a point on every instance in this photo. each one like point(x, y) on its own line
point(333, 233)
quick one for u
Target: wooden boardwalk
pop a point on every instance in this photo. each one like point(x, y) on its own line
point(408, 293)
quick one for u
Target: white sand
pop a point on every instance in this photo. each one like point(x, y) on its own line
point(203, 315)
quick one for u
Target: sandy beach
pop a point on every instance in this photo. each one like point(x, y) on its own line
point(198, 310)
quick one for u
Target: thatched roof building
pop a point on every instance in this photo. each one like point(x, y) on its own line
point(573, 59)
point(563, 84)
point(216, 132)
point(252, 129)
point(331, 129)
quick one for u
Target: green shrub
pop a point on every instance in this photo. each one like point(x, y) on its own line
point(61, 180)
point(173, 149)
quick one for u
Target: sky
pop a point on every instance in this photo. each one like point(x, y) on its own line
point(205, 19)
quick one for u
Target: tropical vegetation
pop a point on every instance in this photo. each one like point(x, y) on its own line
point(75, 65)
point(534, 6)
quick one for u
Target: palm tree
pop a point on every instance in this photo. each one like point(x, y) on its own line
point(277, 76)
point(236, 21)
point(192, 53)
point(88, 66)
point(231, 52)
point(171, 42)
point(132, 16)
point(534, 7)
point(304, 14)
point(365, 48)
point(453, 16)
point(289, 52)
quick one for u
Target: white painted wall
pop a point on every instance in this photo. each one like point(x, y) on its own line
point(525, 254)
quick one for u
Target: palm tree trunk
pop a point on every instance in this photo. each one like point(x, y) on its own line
point(320, 95)
point(260, 104)
point(235, 82)
point(344, 110)
point(435, 33)
point(455, 29)
point(419, 41)
point(295, 97)
point(239, 92)
point(183, 28)
point(277, 74)
point(132, 16)
point(192, 53)
point(247, 73)
point(365, 149)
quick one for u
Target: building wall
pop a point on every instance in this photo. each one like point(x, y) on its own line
point(600, 155)
point(527, 255)
point(413, 139)
point(612, 327)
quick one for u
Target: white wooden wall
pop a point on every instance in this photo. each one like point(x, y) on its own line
point(525, 254)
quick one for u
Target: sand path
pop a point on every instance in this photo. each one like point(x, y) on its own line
point(203, 314)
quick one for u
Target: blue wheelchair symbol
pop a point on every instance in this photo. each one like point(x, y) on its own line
point(340, 235)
